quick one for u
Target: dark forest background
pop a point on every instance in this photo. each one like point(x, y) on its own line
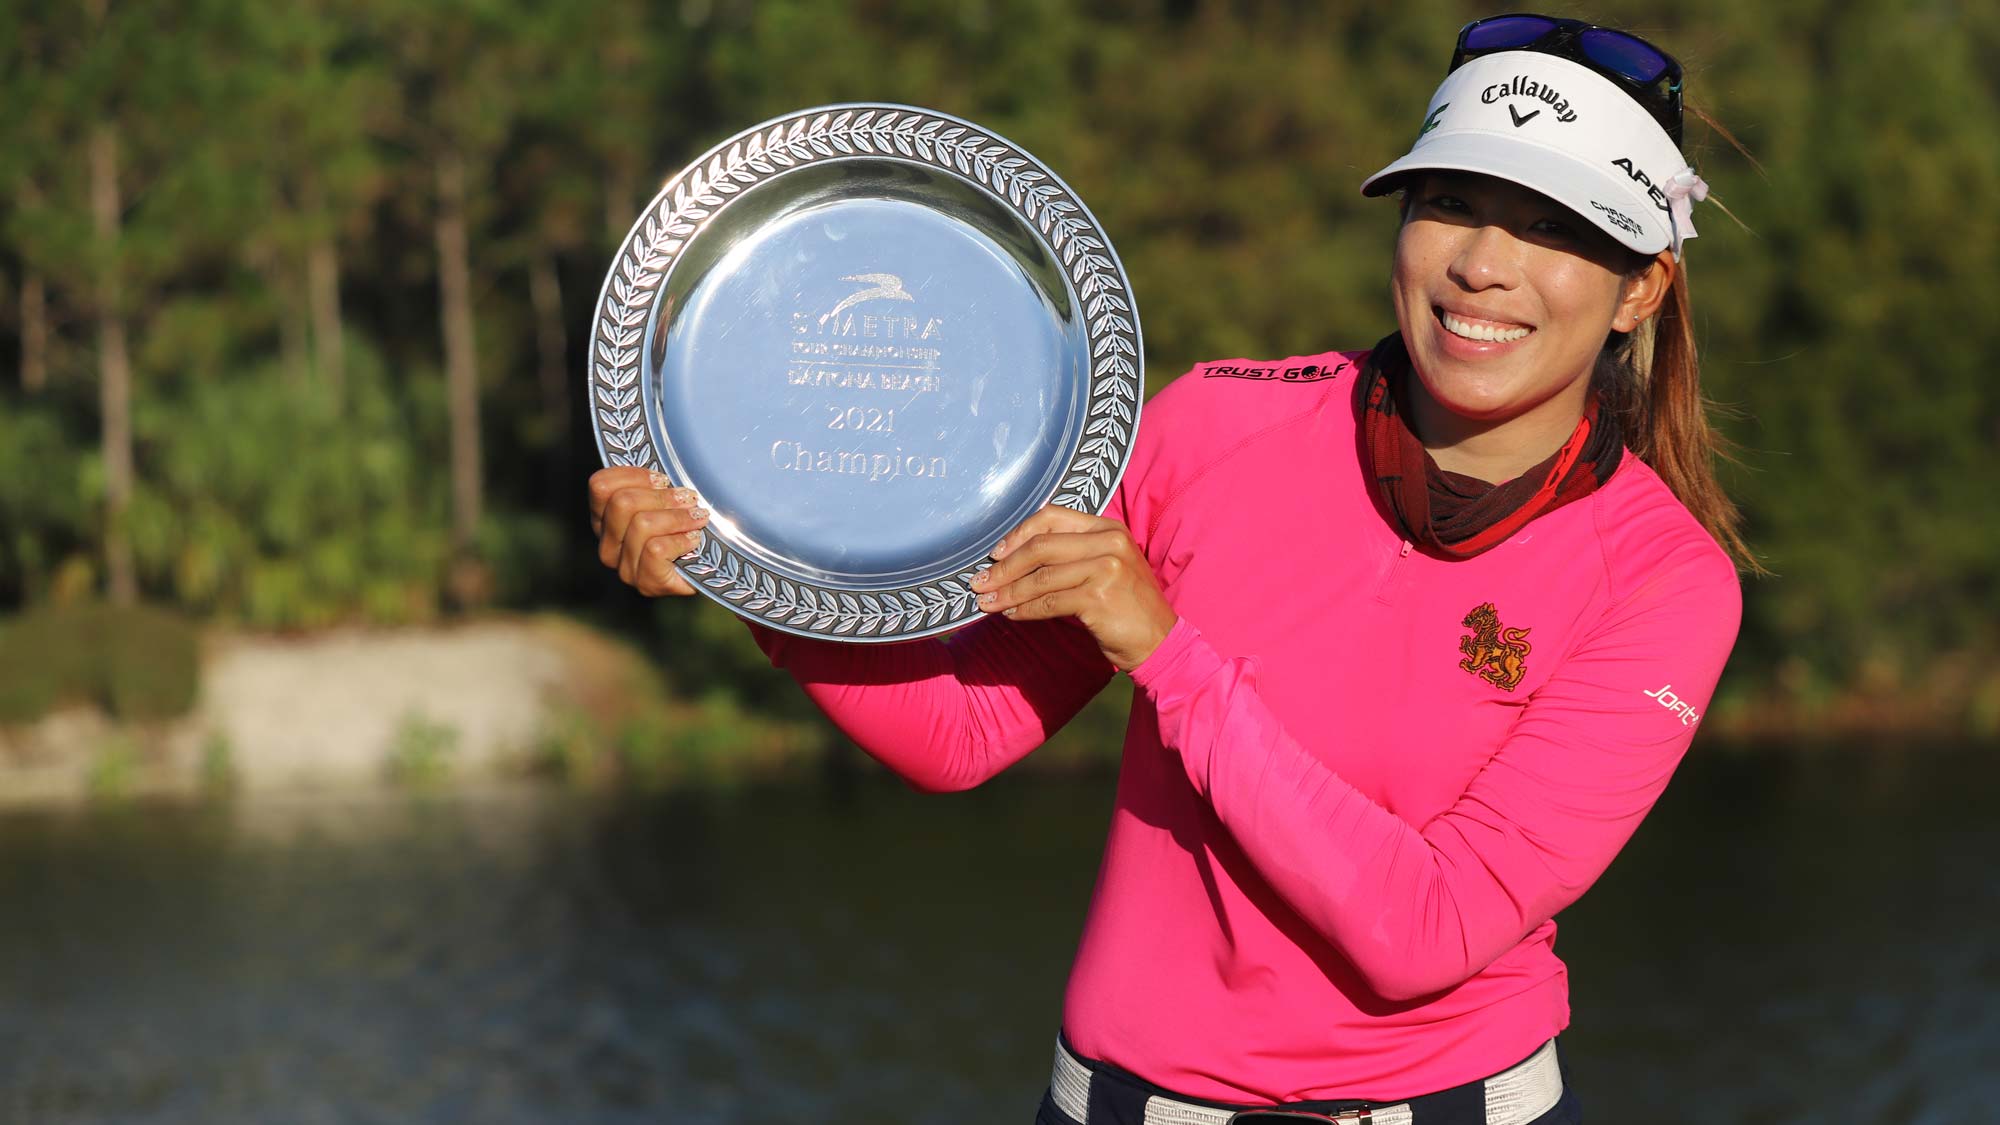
point(294, 295)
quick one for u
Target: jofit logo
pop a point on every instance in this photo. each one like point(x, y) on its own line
point(1640, 177)
point(1522, 86)
point(1619, 219)
point(1680, 708)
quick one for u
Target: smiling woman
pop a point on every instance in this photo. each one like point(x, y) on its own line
point(1418, 639)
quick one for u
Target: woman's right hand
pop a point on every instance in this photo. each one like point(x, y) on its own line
point(643, 525)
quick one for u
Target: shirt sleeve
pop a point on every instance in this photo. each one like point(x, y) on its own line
point(949, 714)
point(1421, 908)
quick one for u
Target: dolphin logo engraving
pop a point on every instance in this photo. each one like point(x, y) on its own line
point(886, 287)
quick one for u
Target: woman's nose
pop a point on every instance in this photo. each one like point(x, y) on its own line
point(1487, 259)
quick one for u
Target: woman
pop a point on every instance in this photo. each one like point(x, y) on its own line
point(1391, 718)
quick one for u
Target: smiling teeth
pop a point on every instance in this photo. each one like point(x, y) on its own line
point(1486, 332)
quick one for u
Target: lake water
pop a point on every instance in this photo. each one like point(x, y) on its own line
point(1790, 938)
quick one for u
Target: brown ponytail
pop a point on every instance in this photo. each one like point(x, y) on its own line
point(1652, 384)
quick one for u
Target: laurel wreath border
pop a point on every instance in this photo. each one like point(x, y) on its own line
point(692, 199)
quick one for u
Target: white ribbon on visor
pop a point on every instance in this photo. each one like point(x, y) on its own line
point(1683, 191)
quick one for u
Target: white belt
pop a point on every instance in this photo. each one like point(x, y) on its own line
point(1514, 1096)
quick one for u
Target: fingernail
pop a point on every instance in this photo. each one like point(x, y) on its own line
point(979, 579)
point(685, 497)
point(699, 513)
point(999, 548)
point(659, 480)
point(986, 599)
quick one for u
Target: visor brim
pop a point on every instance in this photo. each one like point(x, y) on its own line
point(1550, 171)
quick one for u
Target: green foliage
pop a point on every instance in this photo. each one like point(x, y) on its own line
point(623, 724)
point(285, 505)
point(218, 766)
point(113, 768)
point(421, 752)
point(42, 515)
point(712, 741)
point(135, 664)
point(573, 748)
point(660, 743)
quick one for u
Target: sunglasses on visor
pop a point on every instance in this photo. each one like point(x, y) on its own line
point(1649, 74)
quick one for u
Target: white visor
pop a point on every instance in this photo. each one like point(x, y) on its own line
point(1564, 130)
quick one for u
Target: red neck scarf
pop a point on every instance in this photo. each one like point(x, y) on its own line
point(1456, 516)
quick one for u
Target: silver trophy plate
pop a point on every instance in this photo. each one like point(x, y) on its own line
point(874, 339)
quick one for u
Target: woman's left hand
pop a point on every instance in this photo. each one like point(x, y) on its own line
point(1062, 563)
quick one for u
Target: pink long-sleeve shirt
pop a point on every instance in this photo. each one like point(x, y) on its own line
point(1336, 849)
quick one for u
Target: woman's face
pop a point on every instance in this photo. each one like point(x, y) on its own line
point(1505, 298)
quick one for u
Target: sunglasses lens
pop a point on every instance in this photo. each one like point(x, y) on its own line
point(1634, 58)
point(1503, 33)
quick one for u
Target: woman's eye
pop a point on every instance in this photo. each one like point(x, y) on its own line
point(1446, 203)
point(1555, 228)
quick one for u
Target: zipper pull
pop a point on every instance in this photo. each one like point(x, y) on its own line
point(1405, 553)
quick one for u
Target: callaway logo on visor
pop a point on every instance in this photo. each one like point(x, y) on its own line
point(1525, 87)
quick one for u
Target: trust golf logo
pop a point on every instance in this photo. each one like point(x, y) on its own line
point(1665, 697)
point(1269, 372)
point(1522, 86)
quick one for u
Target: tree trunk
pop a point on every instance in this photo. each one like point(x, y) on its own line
point(545, 292)
point(323, 286)
point(460, 363)
point(291, 322)
point(34, 332)
point(34, 302)
point(114, 367)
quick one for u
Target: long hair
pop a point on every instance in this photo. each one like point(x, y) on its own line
point(1649, 379)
